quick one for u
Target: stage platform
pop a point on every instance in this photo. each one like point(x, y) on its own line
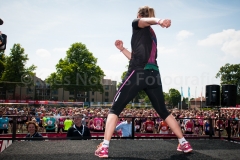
point(159, 149)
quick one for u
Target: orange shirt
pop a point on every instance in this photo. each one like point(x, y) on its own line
point(164, 126)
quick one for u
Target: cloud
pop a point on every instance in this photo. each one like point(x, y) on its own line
point(232, 48)
point(183, 35)
point(43, 53)
point(229, 40)
point(163, 50)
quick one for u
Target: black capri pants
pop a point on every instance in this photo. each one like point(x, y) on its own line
point(137, 80)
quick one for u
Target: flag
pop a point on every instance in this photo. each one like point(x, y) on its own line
point(188, 93)
point(195, 93)
point(181, 94)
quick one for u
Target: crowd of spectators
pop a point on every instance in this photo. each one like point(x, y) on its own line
point(146, 120)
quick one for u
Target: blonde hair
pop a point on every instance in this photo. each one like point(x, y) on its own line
point(146, 11)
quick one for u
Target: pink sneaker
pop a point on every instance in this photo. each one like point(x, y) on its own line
point(101, 152)
point(186, 147)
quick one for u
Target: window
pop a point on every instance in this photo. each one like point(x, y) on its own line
point(29, 90)
point(71, 92)
point(106, 93)
point(37, 84)
point(47, 85)
point(92, 99)
point(10, 91)
point(107, 87)
point(55, 91)
point(92, 93)
point(106, 100)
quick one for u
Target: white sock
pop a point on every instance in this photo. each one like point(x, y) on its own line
point(105, 143)
point(182, 141)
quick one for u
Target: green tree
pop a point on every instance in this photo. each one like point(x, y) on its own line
point(174, 97)
point(122, 77)
point(186, 100)
point(78, 71)
point(2, 62)
point(15, 72)
point(146, 99)
point(166, 97)
point(230, 74)
point(2, 67)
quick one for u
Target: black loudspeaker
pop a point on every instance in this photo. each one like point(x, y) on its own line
point(213, 95)
point(229, 95)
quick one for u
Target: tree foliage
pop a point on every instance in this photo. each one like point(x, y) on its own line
point(78, 71)
point(15, 72)
point(230, 74)
point(174, 97)
point(2, 62)
point(166, 97)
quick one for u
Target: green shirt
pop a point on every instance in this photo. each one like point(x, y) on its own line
point(50, 121)
point(67, 124)
point(44, 121)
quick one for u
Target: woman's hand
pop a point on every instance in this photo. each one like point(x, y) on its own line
point(165, 23)
point(119, 44)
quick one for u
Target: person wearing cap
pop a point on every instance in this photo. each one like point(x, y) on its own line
point(78, 130)
point(125, 127)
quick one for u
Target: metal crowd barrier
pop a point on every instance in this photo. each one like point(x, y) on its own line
point(100, 135)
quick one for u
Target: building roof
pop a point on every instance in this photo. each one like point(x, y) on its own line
point(199, 99)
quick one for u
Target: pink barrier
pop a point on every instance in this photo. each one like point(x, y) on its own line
point(41, 102)
point(96, 134)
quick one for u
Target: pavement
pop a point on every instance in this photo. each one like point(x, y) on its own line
point(149, 149)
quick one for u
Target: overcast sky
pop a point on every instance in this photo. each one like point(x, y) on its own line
point(204, 35)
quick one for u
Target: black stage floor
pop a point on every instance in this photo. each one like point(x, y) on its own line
point(121, 150)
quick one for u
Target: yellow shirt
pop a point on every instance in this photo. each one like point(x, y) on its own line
point(67, 124)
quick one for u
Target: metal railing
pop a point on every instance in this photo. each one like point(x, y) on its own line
point(134, 135)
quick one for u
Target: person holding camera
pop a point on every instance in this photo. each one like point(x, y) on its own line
point(3, 38)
